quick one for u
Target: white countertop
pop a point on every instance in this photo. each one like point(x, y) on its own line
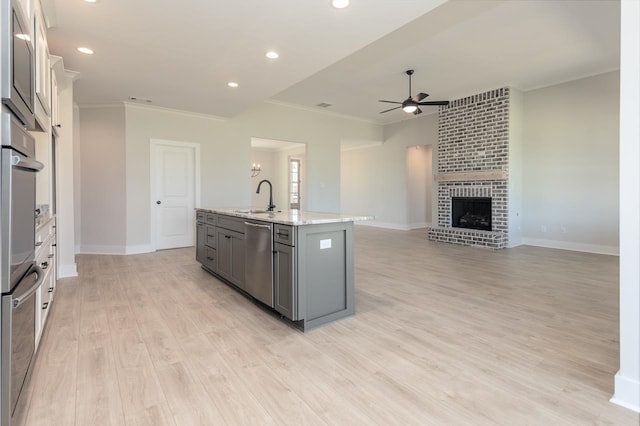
point(289, 217)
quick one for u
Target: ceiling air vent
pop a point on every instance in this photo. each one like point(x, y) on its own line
point(323, 105)
point(137, 99)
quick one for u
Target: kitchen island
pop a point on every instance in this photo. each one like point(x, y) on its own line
point(298, 263)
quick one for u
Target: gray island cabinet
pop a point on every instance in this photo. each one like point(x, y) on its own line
point(301, 266)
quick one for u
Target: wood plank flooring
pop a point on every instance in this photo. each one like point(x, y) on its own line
point(442, 335)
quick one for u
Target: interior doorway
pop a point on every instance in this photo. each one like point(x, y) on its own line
point(275, 159)
point(419, 186)
point(175, 192)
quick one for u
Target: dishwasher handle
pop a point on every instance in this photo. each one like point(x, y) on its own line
point(258, 225)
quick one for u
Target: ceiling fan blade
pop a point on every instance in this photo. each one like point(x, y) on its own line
point(417, 111)
point(420, 96)
point(387, 110)
point(434, 103)
point(391, 102)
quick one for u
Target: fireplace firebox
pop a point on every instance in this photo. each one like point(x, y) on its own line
point(471, 212)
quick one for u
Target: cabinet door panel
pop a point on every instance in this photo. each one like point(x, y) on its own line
point(285, 281)
point(201, 236)
point(230, 254)
point(211, 258)
point(211, 236)
point(224, 254)
point(237, 260)
point(43, 66)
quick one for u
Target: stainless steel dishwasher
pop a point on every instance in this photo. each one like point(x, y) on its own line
point(258, 266)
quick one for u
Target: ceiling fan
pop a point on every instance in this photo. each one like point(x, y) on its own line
point(413, 103)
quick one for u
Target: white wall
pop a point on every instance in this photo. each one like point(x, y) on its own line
point(569, 157)
point(102, 189)
point(225, 161)
point(627, 380)
point(374, 179)
point(77, 180)
point(275, 168)
point(267, 161)
point(65, 220)
point(516, 142)
point(321, 133)
point(570, 165)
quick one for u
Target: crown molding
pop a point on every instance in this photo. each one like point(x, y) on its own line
point(174, 111)
point(132, 105)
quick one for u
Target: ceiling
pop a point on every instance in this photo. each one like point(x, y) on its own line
point(182, 54)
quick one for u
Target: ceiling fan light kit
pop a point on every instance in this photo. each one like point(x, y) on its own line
point(412, 104)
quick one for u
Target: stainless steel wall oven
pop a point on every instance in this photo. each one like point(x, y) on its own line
point(20, 276)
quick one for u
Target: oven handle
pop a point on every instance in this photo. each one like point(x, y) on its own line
point(19, 300)
point(25, 163)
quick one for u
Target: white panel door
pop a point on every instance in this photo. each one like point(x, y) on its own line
point(173, 194)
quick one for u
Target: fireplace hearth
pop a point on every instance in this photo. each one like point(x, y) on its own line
point(471, 213)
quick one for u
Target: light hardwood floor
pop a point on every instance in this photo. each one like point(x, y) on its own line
point(443, 335)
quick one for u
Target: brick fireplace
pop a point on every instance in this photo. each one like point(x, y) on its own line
point(473, 163)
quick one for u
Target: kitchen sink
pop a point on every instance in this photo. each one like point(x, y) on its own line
point(251, 211)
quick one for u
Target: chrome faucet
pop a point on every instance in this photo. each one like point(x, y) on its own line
point(271, 205)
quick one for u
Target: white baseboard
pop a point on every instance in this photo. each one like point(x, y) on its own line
point(67, 271)
point(89, 249)
point(419, 225)
point(143, 248)
point(115, 250)
point(568, 245)
point(627, 393)
point(384, 225)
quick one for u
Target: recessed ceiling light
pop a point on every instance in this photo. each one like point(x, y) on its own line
point(90, 1)
point(272, 55)
point(232, 84)
point(340, 4)
point(85, 50)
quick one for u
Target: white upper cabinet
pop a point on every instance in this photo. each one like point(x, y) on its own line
point(55, 114)
point(43, 71)
point(27, 10)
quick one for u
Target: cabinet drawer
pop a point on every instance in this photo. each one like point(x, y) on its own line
point(45, 249)
point(210, 260)
point(231, 223)
point(200, 216)
point(284, 234)
point(210, 218)
point(211, 236)
point(44, 232)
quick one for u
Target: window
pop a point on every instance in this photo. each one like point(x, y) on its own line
point(294, 184)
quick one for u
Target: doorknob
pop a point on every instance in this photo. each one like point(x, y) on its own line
point(158, 202)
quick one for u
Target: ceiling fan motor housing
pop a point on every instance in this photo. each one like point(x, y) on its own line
point(412, 104)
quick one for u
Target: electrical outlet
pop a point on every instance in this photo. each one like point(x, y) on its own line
point(543, 228)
